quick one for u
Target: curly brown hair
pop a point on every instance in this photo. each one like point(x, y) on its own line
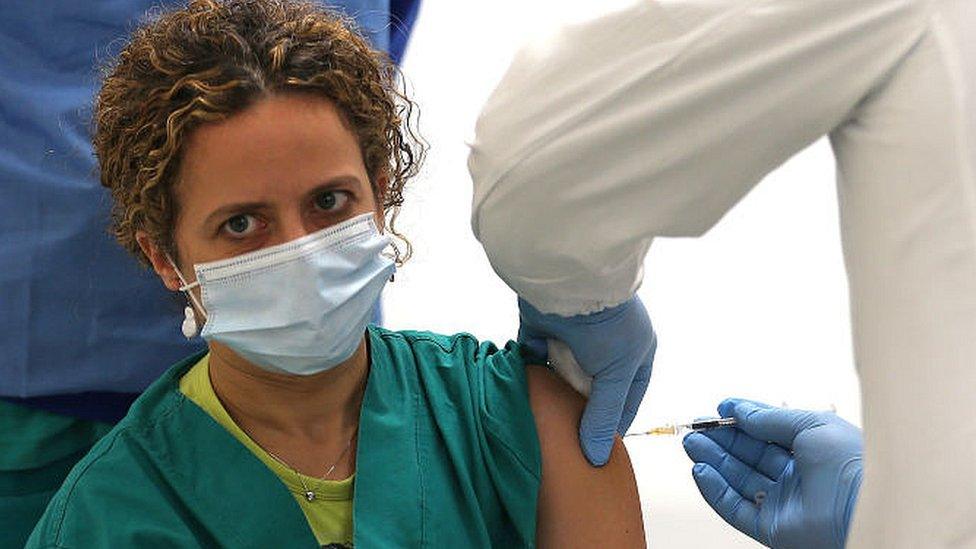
point(212, 59)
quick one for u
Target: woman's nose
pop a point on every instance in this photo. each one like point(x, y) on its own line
point(292, 227)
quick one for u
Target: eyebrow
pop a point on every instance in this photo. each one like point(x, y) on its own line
point(228, 209)
point(336, 181)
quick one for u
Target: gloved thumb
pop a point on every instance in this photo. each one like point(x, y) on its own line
point(601, 418)
point(534, 343)
point(761, 421)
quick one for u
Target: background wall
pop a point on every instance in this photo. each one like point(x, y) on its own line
point(756, 308)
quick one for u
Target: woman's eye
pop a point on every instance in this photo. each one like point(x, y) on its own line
point(241, 225)
point(331, 200)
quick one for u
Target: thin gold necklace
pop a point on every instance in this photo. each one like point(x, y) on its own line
point(309, 494)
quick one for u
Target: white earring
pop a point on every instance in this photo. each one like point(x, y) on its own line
point(189, 323)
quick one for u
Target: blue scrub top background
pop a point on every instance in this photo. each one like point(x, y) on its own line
point(84, 328)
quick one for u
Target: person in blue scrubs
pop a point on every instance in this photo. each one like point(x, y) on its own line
point(76, 309)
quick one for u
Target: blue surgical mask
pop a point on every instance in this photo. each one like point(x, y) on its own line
point(300, 307)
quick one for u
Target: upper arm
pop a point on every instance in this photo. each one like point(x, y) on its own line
point(579, 505)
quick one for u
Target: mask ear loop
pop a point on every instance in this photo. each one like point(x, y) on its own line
point(189, 326)
point(394, 257)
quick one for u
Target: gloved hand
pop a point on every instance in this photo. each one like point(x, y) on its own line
point(616, 346)
point(796, 491)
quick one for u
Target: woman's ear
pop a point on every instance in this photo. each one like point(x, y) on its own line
point(159, 260)
point(382, 185)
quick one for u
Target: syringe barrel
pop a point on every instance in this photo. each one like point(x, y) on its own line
point(713, 423)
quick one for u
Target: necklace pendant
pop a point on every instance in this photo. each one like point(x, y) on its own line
point(310, 495)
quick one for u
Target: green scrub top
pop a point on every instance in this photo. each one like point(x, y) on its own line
point(448, 456)
point(37, 449)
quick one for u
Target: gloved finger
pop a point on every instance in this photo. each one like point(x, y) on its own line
point(534, 342)
point(764, 422)
point(741, 514)
point(638, 387)
point(738, 443)
point(727, 406)
point(768, 459)
point(602, 415)
point(745, 480)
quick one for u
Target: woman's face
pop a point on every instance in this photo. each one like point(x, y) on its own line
point(284, 168)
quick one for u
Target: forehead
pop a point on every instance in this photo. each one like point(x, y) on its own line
point(280, 146)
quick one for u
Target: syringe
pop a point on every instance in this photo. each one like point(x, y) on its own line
point(683, 428)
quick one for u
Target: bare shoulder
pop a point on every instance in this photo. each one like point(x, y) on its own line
point(554, 403)
point(579, 505)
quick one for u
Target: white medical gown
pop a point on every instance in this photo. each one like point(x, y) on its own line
point(655, 119)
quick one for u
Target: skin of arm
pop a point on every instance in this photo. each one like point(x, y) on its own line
point(579, 505)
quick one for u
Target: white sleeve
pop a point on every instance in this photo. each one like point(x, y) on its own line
point(654, 120)
point(907, 187)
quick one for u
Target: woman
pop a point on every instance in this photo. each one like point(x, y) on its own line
point(256, 152)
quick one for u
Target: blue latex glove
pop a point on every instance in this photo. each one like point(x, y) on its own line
point(807, 475)
point(616, 346)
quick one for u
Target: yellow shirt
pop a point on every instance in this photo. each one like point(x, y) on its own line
point(330, 514)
